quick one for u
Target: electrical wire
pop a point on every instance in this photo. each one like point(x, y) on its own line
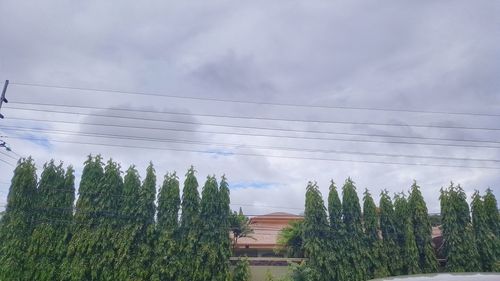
point(8, 155)
point(243, 146)
point(263, 155)
point(261, 128)
point(162, 95)
point(241, 117)
point(6, 162)
point(142, 127)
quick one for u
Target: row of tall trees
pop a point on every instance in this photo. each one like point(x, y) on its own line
point(471, 243)
point(115, 231)
point(350, 240)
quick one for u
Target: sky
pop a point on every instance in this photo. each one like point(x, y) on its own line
point(439, 56)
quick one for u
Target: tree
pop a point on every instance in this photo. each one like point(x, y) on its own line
point(17, 222)
point(167, 262)
point(189, 226)
point(224, 212)
point(334, 208)
point(459, 244)
point(405, 236)
point(290, 242)
point(128, 268)
point(422, 230)
point(241, 271)
point(49, 240)
point(377, 262)
point(209, 238)
point(491, 210)
point(337, 231)
point(356, 253)
point(316, 235)
point(91, 253)
point(389, 234)
point(147, 211)
point(240, 227)
point(484, 236)
point(493, 221)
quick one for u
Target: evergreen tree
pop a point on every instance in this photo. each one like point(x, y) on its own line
point(91, 253)
point(493, 221)
point(334, 208)
point(147, 211)
point(290, 242)
point(389, 234)
point(338, 234)
point(405, 236)
point(356, 253)
point(50, 236)
point(422, 230)
point(377, 262)
point(17, 222)
point(207, 259)
point(485, 238)
point(241, 271)
point(459, 244)
point(167, 261)
point(316, 235)
point(491, 210)
point(224, 250)
point(127, 266)
point(189, 226)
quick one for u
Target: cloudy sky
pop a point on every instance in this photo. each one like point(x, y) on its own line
point(438, 56)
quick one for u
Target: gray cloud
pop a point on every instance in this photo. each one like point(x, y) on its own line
point(428, 55)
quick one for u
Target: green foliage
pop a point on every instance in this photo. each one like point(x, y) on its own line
point(224, 225)
point(422, 230)
point(493, 221)
point(240, 227)
point(334, 208)
point(354, 250)
point(301, 273)
point(485, 238)
point(491, 210)
point(459, 244)
point(167, 261)
point(49, 240)
point(17, 222)
point(290, 241)
point(405, 237)
point(147, 211)
point(113, 234)
point(209, 241)
point(338, 234)
point(129, 238)
point(92, 251)
point(390, 236)
point(316, 234)
point(377, 258)
point(241, 271)
point(189, 226)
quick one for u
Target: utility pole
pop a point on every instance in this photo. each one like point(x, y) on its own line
point(2, 98)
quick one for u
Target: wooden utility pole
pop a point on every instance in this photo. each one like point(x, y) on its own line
point(2, 98)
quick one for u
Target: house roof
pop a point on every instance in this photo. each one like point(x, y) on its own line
point(266, 229)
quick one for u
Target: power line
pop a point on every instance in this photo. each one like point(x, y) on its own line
point(261, 128)
point(8, 155)
point(238, 117)
point(6, 162)
point(264, 155)
point(40, 85)
point(142, 127)
point(243, 146)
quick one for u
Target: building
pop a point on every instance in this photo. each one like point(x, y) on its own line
point(263, 240)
